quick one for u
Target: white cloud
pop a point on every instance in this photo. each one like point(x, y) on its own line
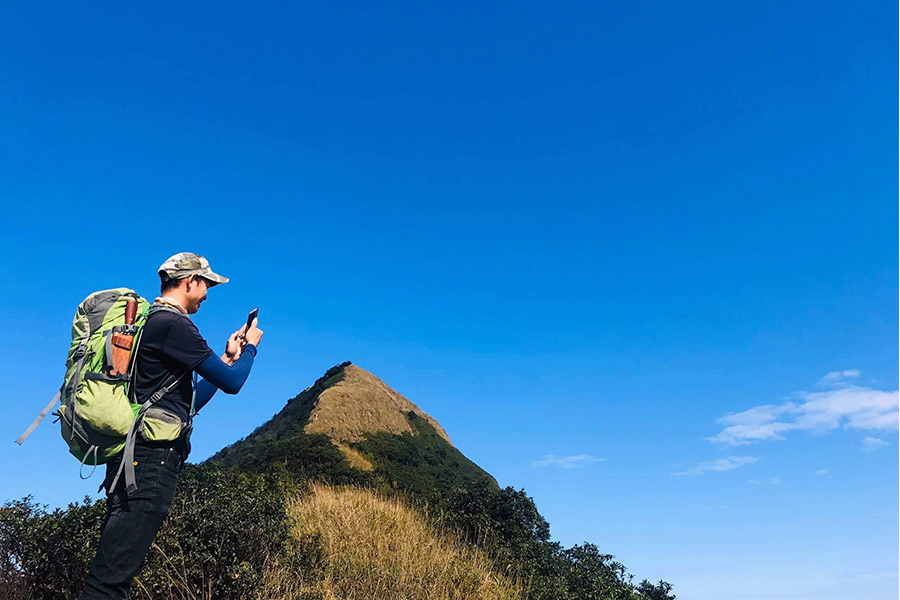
point(838, 377)
point(720, 464)
point(566, 462)
point(821, 472)
point(769, 481)
point(850, 406)
point(873, 443)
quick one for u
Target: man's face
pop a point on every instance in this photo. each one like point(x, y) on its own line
point(195, 294)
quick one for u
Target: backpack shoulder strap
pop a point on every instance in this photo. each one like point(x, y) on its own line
point(126, 466)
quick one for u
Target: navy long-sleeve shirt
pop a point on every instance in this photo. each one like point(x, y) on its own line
point(218, 375)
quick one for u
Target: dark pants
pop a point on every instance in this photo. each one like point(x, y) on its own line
point(132, 522)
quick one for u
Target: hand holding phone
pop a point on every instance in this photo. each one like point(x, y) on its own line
point(252, 333)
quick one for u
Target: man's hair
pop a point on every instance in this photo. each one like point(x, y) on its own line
point(167, 283)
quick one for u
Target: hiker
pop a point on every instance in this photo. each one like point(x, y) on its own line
point(171, 350)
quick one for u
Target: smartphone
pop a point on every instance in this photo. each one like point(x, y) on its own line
point(253, 314)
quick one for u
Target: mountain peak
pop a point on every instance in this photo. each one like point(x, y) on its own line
point(346, 404)
point(355, 402)
point(372, 427)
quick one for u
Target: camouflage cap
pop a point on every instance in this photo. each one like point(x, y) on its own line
point(184, 264)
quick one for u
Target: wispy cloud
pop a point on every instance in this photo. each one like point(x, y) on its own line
point(873, 443)
point(769, 481)
point(852, 406)
point(821, 472)
point(720, 464)
point(835, 378)
point(566, 462)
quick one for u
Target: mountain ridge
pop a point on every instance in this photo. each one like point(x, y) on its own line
point(373, 427)
point(375, 406)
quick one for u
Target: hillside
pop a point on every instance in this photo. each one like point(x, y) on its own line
point(374, 428)
point(351, 491)
point(350, 427)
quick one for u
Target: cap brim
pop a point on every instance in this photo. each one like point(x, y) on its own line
point(214, 278)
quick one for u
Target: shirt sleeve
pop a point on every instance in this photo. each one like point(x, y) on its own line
point(217, 375)
point(185, 345)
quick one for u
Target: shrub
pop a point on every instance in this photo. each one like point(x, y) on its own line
point(421, 464)
point(223, 530)
point(46, 555)
point(301, 456)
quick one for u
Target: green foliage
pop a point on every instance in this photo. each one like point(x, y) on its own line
point(222, 531)
point(591, 575)
point(506, 523)
point(46, 555)
point(660, 591)
point(422, 464)
point(302, 456)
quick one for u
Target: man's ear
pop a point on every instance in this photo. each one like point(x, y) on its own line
point(192, 281)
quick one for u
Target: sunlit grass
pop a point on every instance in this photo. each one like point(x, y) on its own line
point(378, 548)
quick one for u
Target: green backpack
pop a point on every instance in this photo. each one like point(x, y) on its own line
point(97, 415)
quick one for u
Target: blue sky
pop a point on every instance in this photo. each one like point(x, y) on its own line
point(640, 260)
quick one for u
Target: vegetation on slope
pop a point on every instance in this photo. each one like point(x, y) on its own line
point(229, 528)
point(420, 463)
point(291, 419)
point(232, 535)
point(374, 547)
point(223, 531)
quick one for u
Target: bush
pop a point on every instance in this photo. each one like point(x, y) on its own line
point(422, 464)
point(223, 530)
point(46, 555)
point(301, 457)
point(506, 523)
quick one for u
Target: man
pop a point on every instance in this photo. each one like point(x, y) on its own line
point(171, 350)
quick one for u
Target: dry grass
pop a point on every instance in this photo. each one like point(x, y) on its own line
point(361, 403)
point(355, 458)
point(379, 549)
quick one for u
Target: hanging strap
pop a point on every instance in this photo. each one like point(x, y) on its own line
point(93, 449)
point(37, 421)
point(81, 354)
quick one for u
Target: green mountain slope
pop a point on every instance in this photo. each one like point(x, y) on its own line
point(349, 426)
point(351, 491)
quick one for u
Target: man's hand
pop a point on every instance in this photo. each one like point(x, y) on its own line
point(254, 334)
point(234, 346)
